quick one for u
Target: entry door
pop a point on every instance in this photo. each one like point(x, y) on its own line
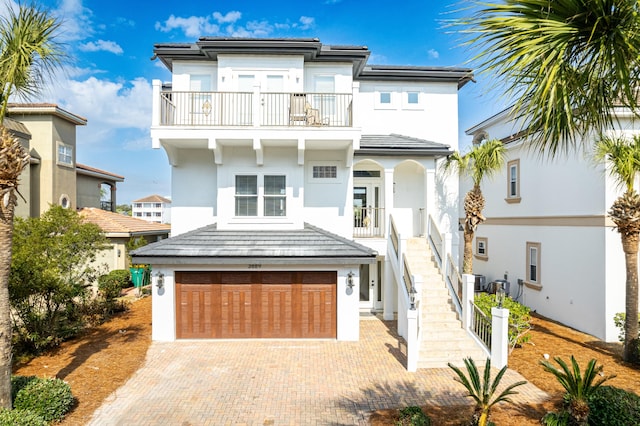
point(370, 288)
point(368, 218)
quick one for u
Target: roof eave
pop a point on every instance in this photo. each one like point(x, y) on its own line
point(211, 260)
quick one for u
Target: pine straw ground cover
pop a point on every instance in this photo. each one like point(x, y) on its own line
point(101, 360)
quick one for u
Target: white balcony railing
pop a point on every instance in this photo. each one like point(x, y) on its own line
point(368, 222)
point(255, 109)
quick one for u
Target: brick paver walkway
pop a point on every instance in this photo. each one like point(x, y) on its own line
point(281, 382)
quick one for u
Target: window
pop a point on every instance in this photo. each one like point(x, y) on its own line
point(65, 154)
point(157, 205)
point(273, 194)
point(157, 214)
point(138, 205)
point(275, 198)
point(412, 98)
point(138, 214)
point(482, 248)
point(513, 181)
point(533, 266)
point(325, 172)
point(147, 214)
point(246, 195)
point(385, 97)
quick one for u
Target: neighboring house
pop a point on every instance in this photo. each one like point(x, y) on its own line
point(548, 233)
point(290, 158)
point(119, 230)
point(153, 208)
point(53, 177)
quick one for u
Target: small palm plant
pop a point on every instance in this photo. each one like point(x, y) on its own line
point(482, 391)
point(579, 388)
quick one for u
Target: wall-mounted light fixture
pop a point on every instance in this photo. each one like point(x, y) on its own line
point(412, 297)
point(350, 279)
point(160, 280)
point(500, 294)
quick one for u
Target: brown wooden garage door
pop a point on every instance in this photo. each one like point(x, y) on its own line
point(255, 304)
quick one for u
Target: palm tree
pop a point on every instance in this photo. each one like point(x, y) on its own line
point(28, 54)
point(624, 159)
point(482, 161)
point(569, 63)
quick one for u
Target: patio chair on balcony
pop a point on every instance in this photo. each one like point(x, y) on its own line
point(297, 109)
point(312, 115)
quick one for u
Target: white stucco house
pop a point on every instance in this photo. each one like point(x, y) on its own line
point(548, 232)
point(152, 208)
point(290, 159)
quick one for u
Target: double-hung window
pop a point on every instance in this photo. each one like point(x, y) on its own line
point(513, 181)
point(65, 154)
point(246, 195)
point(275, 198)
point(272, 192)
point(482, 248)
point(533, 265)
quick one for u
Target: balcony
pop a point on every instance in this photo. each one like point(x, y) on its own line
point(252, 109)
point(368, 222)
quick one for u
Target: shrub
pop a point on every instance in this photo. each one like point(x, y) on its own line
point(579, 389)
point(20, 418)
point(519, 317)
point(19, 382)
point(614, 406)
point(482, 390)
point(413, 416)
point(50, 399)
point(618, 320)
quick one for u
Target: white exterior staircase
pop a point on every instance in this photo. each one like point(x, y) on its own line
point(443, 338)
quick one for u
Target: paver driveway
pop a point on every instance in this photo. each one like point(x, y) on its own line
point(281, 382)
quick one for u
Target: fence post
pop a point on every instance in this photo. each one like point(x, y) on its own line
point(412, 340)
point(499, 337)
point(468, 291)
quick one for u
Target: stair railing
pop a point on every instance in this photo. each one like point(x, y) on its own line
point(441, 247)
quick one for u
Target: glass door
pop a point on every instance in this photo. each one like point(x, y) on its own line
point(368, 216)
point(370, 294)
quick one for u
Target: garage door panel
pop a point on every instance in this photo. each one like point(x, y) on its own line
point(256, 304)
point(236, 312)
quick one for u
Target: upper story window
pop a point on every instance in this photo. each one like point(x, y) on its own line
point(412, 98)
point(65, 154)
point(157, 205)
point(273, 194)
point(138, 205)
point(513, 181)
point(385, 98)
point(325, 172)
point(246, 195)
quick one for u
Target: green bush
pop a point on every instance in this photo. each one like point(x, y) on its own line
point(519, 317)
point(614, 406)
point(20, 418)
point(50, 399)
point(19, 382)
point(413, 416)
point(618, 320)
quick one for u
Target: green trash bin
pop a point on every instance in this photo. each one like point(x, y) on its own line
point(140, 276)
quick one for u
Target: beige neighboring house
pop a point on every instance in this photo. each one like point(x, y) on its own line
point(119, 229)
point(53, 177)
point(153, 208)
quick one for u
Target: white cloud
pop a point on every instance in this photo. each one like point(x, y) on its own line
point(193, 26)
point(228, 24)
point(433, 54)
point(306, 22)
point(76, 20)
point(102, 45)
point(231, 17)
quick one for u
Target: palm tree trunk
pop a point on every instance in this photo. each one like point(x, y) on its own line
point(7, 206)
point(630, 247)
point(467, 259)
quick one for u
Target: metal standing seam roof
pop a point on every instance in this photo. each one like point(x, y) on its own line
point(395, 144)
point(211, 245)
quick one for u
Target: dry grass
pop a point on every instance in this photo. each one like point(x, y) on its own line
point(100, 361)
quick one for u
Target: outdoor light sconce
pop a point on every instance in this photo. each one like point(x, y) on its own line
point(412, 297)
point(350, 279)
point(160, 280)
point(500, 294)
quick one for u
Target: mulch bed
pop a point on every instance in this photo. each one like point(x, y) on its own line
point(99, 361)
point(102, 359)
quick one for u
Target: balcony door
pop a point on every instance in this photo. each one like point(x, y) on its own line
point(368, 211)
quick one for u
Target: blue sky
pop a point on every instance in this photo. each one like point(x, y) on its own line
point(109, 80)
